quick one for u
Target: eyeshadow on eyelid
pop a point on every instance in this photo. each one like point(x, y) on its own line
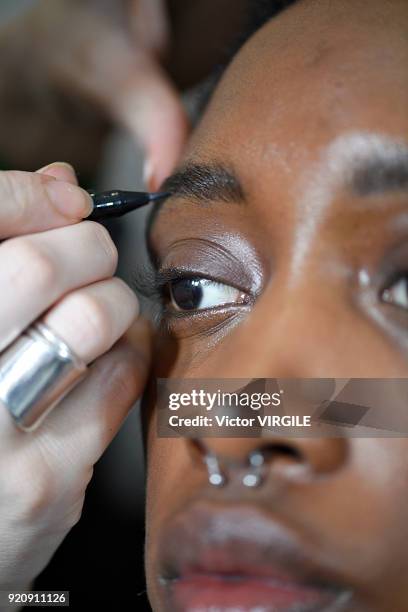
point(207, 257)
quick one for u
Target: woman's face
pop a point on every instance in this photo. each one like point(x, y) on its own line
point(293, 195)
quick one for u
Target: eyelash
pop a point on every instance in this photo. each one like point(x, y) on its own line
point(154, 285)
point(149, 284)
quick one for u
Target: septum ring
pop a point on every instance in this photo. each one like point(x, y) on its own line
point(36, 371)
point(251, 473)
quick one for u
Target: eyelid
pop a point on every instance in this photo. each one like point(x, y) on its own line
point(226, 257)
point(208, 252)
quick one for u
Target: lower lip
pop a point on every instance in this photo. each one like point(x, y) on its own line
point(204, 593)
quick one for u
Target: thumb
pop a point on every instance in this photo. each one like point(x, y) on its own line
point(151, 108)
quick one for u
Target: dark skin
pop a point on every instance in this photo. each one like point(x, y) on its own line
point(317, 255)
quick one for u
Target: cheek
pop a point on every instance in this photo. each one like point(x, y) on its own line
point(291, 342)
point(381, 466)
point(168, 467)
point(168, 463)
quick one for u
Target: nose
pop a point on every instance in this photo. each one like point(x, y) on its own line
point(251, 460)
point(305, 333)
point(289, 335)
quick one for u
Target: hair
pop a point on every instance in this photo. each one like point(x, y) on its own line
point(258, 13)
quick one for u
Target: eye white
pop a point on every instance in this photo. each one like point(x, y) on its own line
point(217, 294)
point(213, 294)
point(397, 294)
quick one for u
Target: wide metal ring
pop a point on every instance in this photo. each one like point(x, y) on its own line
point(36, 371)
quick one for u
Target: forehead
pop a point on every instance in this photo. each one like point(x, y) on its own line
point(316, 72)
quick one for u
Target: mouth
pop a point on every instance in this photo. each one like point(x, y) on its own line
point(236, 559)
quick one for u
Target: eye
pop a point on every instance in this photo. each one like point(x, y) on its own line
point(187, 294)
point(397, 293)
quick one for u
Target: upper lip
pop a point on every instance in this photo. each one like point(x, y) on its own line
point(242, 541)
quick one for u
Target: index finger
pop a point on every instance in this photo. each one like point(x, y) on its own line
point(37, 201)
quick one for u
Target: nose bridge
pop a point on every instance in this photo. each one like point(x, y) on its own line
point(289, 334)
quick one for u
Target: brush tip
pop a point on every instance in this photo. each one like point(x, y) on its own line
point(161, 195)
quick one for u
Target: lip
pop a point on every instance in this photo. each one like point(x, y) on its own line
point(222, 558)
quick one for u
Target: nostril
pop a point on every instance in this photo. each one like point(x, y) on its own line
point(197, 445)
point(282, 450)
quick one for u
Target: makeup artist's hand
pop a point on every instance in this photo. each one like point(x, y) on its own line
point(107, 54)
point(52, 263)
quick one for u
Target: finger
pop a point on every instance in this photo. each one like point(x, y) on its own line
point(78, 430)
point(60, 171)
point(149, 22)
point(33, 202)
point(92, 414)
point(151, 108)
point(92, 319)
point(37, 270)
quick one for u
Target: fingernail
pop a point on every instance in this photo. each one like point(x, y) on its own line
point(66, 165)
point(70, 200)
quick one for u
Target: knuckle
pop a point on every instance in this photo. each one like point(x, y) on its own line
point(121, 381)
point(38, 265)
point(125, 384)
point(124, 292)
point(21, 190)
point(39, 496)
point(34, 489)
point(96, 320)
point(104, 240)
point(76, 498)
point(75, 515)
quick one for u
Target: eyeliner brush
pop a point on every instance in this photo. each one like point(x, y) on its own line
point(112, 204)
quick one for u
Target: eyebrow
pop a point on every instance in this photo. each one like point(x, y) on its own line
point(206, 182)
point(379, 176)
point(200, 183)
point(376, 165)
point(380, 169)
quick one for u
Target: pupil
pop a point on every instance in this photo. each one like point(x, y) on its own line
point(187, 293)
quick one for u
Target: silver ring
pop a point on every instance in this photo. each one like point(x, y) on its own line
point(36, 371)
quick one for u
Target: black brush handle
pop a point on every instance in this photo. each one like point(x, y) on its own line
point(113, 204)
